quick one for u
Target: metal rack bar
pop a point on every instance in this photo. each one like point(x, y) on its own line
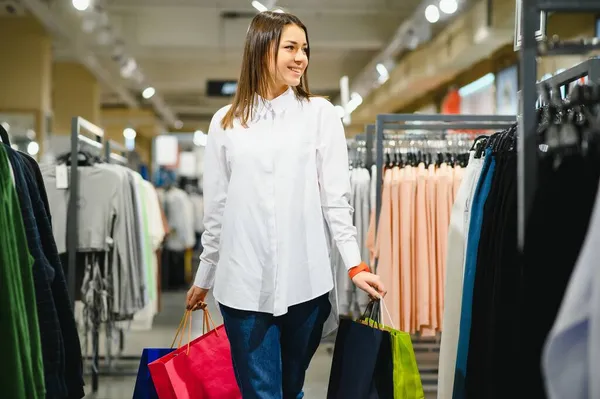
point(527, 138)
point(110, 146)
point(449, 122)
point(445, 126)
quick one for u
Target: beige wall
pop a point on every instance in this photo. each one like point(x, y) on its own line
point(26, 54)
point(75, 92)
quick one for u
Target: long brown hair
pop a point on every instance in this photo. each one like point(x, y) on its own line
point(262, 43)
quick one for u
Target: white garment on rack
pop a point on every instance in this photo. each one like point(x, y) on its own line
point(198, 203)
point(179, 211)
point(353, 300)
point(143, 319)
point(455, 264)
point(268, 191)
point(571, 358)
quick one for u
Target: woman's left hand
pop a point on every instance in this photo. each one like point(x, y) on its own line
point(370, 283)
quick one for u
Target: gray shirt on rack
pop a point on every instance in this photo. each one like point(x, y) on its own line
point(106, 212)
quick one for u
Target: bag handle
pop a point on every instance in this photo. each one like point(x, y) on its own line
point(207, 320)
point(185, 320)
point(371, 312)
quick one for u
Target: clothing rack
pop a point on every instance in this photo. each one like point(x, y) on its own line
point(120, 156)
point(365, 140)
point(530, 50)
point(428, 126)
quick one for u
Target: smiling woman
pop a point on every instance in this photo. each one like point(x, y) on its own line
point(276, 177)
point(276, 55)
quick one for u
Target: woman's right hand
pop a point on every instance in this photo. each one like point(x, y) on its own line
point(195, 298)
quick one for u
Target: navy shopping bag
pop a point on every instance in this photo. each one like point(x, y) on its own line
point(362, 366)
point(144, 387)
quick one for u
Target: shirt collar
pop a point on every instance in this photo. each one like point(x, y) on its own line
point(274, 106)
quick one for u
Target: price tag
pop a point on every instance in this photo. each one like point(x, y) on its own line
point(62, 177)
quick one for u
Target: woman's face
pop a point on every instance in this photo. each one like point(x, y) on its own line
point(291, 57)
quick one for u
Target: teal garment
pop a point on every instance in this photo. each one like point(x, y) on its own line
point(22, 371)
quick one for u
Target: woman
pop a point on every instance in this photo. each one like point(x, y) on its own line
point(276, 167)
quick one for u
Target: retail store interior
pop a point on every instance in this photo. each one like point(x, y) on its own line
point(471, 128)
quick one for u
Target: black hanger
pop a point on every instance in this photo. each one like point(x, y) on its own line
point(84, 158)
point(4, 135)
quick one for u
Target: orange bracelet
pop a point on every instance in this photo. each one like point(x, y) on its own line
point(363, 267)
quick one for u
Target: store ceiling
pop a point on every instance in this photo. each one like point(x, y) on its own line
point(178, 45)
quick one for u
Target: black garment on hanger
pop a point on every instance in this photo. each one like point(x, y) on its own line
point(4, 135)
point(555, 234)
point(61, 348)
point(496, 290)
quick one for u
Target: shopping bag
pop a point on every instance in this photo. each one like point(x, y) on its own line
point(202, 369)
point(362, 366)
point(407, 379)
point(144, 387)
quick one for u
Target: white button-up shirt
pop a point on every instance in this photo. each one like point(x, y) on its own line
point(268, 190)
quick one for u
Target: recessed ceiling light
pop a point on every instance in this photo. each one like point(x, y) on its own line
point(148, 92)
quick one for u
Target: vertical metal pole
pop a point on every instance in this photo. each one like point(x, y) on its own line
point(594, 71)
point(369, 147)
point(379, 185)
point(107, 151)
point(527, 139)
point(72, 212)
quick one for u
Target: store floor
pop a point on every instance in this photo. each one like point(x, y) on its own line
point(161, 335)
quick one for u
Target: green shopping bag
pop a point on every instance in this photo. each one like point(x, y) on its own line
point(407, 379)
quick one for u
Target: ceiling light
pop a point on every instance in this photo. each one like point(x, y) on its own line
point(148, 92)
point(128, 68)
point(129, 133)
point(33, 148)
point(178, 124)
point(355, 101)
point(448, 6)
point(432, 14)
point(259, 6)
point(81, 5)
point(383, 73)
point(381, 69)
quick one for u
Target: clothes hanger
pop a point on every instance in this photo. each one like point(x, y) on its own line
point(4, 135)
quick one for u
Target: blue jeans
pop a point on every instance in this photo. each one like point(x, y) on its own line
point(271, 354)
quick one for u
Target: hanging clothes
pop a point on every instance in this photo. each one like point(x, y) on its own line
point(477, 212)
point(572, 350)
point(573, 187)
point(353, 301)
point(455, 264)
point(526, 316)
point(52, 334)
point(411, 242)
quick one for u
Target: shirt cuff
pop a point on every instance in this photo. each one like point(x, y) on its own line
point(205, 276)
point(350, 253)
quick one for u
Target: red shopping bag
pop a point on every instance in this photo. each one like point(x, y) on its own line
point(202, 369)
